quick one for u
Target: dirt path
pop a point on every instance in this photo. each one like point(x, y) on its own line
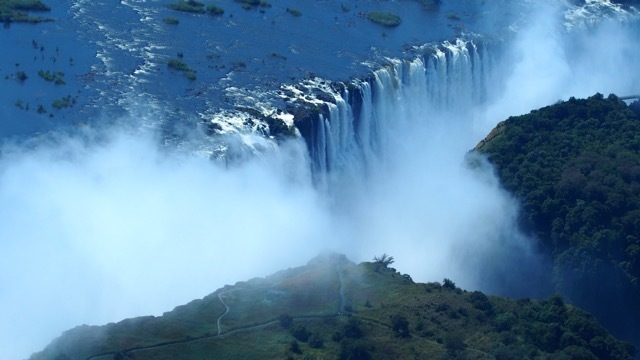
point(258, 326)
point(223, 314)
point(232, 331)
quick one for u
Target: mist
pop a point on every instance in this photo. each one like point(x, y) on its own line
point(547, 63)
point(103, 224)
point(94, 233)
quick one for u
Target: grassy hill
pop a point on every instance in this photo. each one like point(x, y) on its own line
point(575, 167)
point(334, 309)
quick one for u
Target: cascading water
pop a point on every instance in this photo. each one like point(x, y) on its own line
point(141, 221)
point(355, 129)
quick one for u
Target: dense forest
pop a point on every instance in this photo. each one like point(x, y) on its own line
point(575, 168)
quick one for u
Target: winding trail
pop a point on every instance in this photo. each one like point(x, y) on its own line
point(223, 314)
point(263, 324)
point(241, 328)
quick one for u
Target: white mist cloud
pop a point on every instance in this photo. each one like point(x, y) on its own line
point(547, 63)
point(426, 207)
point(94, 231)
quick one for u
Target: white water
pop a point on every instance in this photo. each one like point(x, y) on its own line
point(446, 83)
point(123, 228)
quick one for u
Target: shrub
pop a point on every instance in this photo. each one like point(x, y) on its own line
point(430, 4)
point(55, 77)
point(481, 302)
point(178, 65)
point(64, 102)
point(171, 21)
point(384, 18)
point(294, 12)
point(574, 352)
point(249, 2)
point(191, 6)
point(300, 332)
point(215, 10)
point(47, 75)
point(315, 341)
point(337, 336)
point(400, 326)
point(350, 350)
point(294, 347)
point(505, 321)
point(352, 329)
point(446, 283)
point(21, 76)
point(507, 353)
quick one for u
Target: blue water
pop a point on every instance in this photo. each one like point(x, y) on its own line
point(113, 54)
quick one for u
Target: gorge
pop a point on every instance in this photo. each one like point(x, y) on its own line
point(128, 215)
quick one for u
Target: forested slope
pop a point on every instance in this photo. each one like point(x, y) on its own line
point(575, 168)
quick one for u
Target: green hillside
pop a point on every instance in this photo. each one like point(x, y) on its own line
point(575, 167)
point(334, 309)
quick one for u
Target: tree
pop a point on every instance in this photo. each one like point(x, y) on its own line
point(285, 320)
point(300, 332)
point(383, 261)
point(480, 301)
point(448, 284)
point(505, 321)
point(315, 341)
point(352, 329)
point(294, 347)
point(400, 326)
point(352, 350)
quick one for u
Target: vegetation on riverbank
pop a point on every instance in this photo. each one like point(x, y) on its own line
point(251, 4)
point(190, 6)
point(52, 76)
point(18, 11)
point(194, 7)
point(181, 66)
point(171, 20)
point(384, 18)
point(575, 168)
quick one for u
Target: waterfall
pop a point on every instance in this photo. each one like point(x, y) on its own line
point(354, 131)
